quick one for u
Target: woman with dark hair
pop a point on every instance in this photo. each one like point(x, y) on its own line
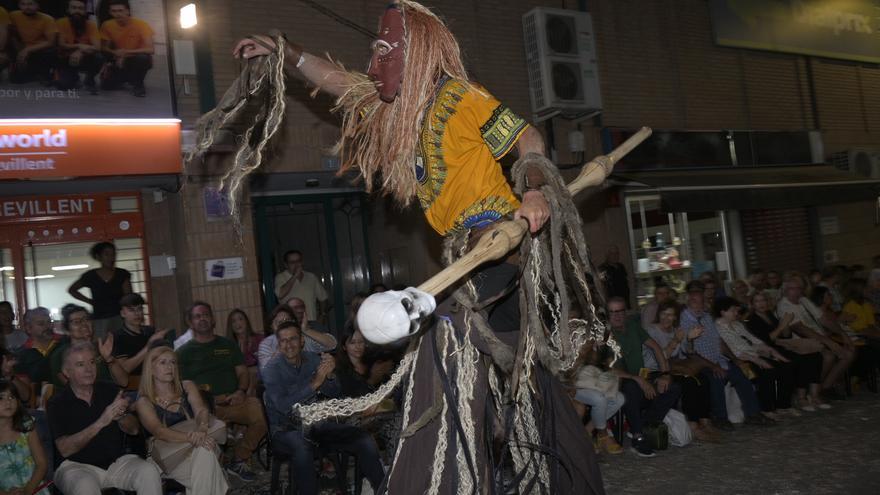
point(23, 461)
point(108, 284)
point(358, 376)
point(770, 366)
point(695, 399)
point(239, 330)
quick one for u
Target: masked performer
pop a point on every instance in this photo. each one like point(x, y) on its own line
point(480, 388)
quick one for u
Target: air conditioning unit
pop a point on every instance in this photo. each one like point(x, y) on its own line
point(561, 62)
point(862, 162)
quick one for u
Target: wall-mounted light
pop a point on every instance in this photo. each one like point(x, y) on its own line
point(188, 18)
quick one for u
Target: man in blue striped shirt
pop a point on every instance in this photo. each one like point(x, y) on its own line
point(709, 346)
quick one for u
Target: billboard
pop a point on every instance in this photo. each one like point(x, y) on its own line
point(842, 29)
point(84, 59)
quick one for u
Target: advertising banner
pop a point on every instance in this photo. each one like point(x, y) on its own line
point(842, 29)
point(84, 59)
point(46, 148)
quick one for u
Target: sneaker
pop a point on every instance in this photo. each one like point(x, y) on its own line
point(640, 446)
point(241, 469)
point(722, 424)
point(609, 445)
point(823, 405)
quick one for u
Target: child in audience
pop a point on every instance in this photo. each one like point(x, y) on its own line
point(22, 460)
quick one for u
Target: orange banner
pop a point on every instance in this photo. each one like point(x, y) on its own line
point(40, 148)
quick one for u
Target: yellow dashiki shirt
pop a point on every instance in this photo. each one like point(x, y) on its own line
point(464, 134)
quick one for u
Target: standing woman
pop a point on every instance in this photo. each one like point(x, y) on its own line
point(108, 284)
point(165, 401)
point(239, 329)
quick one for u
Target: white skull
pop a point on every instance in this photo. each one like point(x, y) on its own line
point(388, 316)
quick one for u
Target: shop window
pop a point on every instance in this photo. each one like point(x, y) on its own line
point(673, 247)
point(51, 269)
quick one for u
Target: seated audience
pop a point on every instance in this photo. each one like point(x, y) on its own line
point(741, 291)
point(356, 375)
point(872, 292)
point(128, 46)
point(806, 323)
point(33, 360)
point(773, 371)
point(832, 278)
point(4, 38)
point(662, 293)
point(164, 401)
point(33, 42)
point(773, 289)
point(648, 398)
point(298, 376)
point(78, 323)
point(603, 403)
point(316, 341)
point(133, 340)
point(757, 281)
point(858, 312)
point(804, 354)
point(721, 371)
point(13, 338)
point(23, 464)
point(88, 419)
point(240, 331)
point(7, 374)
point(216, 365)
point(695, 392)
point(79, 48)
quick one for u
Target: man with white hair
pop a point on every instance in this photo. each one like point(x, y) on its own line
point(87, 420)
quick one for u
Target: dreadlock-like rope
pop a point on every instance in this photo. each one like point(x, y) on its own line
point(260, 87)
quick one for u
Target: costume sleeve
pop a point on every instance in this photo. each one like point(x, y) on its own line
point(92, 32)
point(499, 127)
point(4, 17)
point(49, 28)
point(106, 31)
point(146, 31)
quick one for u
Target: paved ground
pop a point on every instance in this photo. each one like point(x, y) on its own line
point(828, 452)
point(835, 451)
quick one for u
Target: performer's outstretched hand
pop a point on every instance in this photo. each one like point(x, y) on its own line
point(248, 48)
point(534, 209)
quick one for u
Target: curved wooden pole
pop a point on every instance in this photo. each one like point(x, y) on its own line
point(505, 236)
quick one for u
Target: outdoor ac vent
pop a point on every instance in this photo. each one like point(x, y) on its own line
point(561, 61)
point(860, 162)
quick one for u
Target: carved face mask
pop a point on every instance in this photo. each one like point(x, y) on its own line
point(388, 59)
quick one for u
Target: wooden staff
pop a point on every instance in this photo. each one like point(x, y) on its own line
point(503, 237)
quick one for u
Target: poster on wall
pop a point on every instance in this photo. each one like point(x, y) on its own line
point(84, 59)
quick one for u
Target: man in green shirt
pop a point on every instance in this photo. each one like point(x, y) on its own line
point(649, 395)
point(216, 365)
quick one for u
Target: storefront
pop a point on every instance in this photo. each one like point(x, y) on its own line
point(729, 202)
point(61, 192)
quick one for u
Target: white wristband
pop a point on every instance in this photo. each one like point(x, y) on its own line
point(301, 61)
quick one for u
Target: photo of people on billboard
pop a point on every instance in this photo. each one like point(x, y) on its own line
point(83, 58)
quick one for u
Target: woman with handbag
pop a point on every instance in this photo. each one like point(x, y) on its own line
point(685, 370)
point(185, 435)
point(804, 353)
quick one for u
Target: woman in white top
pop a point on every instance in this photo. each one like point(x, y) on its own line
point(770, 365)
